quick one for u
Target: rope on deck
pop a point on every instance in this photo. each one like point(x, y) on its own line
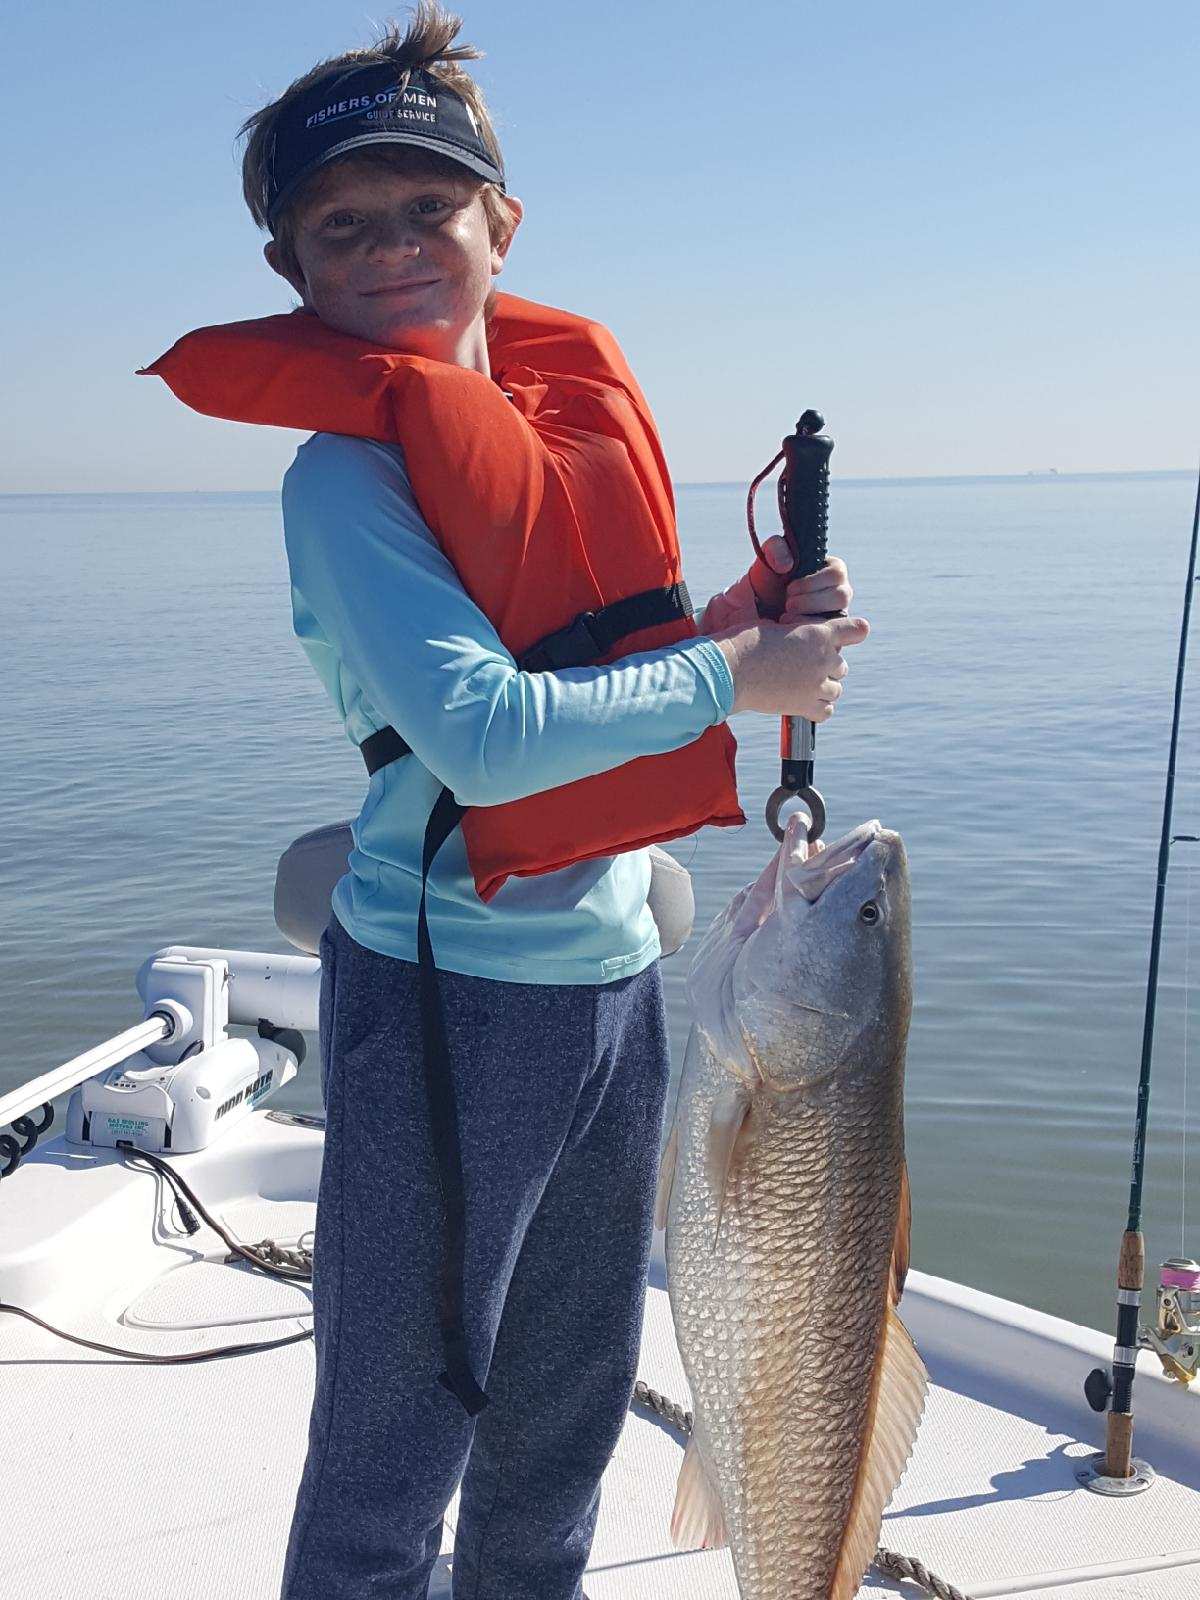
point(893, 1565)
point(889, 1562)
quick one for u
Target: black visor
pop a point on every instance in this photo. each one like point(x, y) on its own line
point(372, 105)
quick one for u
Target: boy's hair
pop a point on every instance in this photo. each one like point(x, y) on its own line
point(428, 44)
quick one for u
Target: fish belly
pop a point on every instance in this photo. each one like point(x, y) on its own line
point(780, 1323)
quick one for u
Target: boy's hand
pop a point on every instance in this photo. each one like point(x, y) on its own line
point(789, 669)
point(820, 594)
point(815, 596)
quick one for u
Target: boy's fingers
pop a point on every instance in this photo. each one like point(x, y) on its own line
point(820, 604)
point(777, 553)
point(847, 630)
point(829, 576)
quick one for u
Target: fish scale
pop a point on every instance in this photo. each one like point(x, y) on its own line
point(780, 1326)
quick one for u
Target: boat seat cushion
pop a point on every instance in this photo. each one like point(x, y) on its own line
point(313, 863)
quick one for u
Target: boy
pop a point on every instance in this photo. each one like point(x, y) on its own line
point(380, 179)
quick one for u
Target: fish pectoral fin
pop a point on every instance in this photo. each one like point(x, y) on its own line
point(900, 1249)
point(666, 1177)
point(899, 1383)
point(727, 1134)
point(698, 1520)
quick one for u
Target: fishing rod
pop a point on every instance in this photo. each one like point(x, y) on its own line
point(803, 493)
point(1116, 1472)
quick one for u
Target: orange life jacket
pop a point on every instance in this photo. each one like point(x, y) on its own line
point(556, 511)
point(551, 508)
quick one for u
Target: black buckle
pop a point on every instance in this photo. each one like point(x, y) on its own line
point(576, 645)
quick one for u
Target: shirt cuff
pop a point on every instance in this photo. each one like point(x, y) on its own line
point(707, 657)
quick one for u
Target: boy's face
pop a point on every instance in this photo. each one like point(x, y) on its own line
point(397, 255)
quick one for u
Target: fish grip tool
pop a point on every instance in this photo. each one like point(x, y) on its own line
point(803, 494)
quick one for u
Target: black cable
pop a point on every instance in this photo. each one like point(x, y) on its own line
point(142, 1355)
point(278, 1269)
point(188, 1197)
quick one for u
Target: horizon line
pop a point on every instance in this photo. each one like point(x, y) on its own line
point(1045, 474)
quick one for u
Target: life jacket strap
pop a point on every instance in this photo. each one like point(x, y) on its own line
point(443, 1124)
point(591, 635)
point(594, 633)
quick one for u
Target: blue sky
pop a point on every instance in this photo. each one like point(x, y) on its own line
point(966, 232)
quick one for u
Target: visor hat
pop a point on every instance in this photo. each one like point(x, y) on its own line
point(373, 104)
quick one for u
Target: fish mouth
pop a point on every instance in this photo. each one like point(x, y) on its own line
point(811, 869)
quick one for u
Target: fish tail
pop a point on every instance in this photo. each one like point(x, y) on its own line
point(698, 1520)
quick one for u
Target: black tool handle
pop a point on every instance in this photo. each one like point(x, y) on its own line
point(804, 495)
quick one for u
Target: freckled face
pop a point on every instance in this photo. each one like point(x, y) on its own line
point(401, 258)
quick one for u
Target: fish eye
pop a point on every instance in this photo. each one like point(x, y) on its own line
point(869, 913)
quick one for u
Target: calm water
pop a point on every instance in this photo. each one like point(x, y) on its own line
point(164, 739)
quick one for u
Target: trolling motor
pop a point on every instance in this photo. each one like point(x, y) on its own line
point(178, 1079)
point(179, 1093)
point(803, 492)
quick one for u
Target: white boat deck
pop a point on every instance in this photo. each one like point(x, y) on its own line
point(121, 1480)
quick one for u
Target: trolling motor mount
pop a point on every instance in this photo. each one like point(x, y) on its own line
point(177, 1095)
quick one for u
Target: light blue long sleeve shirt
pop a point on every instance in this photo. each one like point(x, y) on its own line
point(395, 638)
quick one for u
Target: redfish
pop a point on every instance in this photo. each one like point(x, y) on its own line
point(784, 1195)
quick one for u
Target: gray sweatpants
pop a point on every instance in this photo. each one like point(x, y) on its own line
point(561, 1091)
